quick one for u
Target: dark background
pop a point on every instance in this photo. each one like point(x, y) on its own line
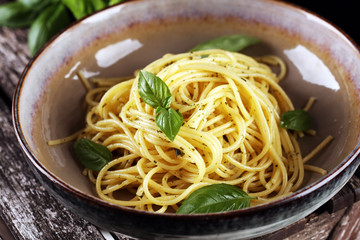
point(344, 14)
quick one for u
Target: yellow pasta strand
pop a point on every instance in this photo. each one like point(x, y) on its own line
point(231, 105)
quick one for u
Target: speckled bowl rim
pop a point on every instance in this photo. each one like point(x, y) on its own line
point(97, 201)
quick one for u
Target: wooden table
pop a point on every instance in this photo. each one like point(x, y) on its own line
point(27, 211)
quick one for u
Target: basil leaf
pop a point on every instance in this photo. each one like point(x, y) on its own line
point(82, 8)
point(299, 120)
point(92, 155)
point(215, 198)
point(52, 20)
point(169, 121)
point(232, 43)
point(153, 91)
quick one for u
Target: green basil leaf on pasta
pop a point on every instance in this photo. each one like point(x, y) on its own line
point(169, 121)
point(52, 20)
point(232, 43)
point(215, 198)
point(92, 155)
point(153, 90)
point(299, 120)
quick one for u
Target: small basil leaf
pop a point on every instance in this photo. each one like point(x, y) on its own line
point(153, 91)
point(232, 43)
point(52, 20)
point(92, 155)
point(169, 121)
point(215, 198)
point(299, 120)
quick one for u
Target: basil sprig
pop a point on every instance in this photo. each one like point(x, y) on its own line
point(299, 120)
point(154, 92)
point(92, 155)
point(232, 43)
point(47, 17)
point(215, 198)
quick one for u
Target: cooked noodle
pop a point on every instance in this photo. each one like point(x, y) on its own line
point(231, 105)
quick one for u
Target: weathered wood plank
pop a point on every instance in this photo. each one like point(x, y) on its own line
point(25, 204)
point(319, 225)
point(344, 198)
point(322, 223)
point(5, 233)
point(14, 56)
point(354, 184)
point(348, 227)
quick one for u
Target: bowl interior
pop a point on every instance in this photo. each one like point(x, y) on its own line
point(321, 63)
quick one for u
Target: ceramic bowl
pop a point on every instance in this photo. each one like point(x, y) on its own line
point(322, 62)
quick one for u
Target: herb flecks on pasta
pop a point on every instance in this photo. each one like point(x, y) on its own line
point(231, 105)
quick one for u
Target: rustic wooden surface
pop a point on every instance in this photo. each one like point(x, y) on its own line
point(27, 211)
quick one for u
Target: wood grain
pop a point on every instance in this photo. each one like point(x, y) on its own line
point(14, 56)
point(5, 233)
point(27, 208)
point(349, 225)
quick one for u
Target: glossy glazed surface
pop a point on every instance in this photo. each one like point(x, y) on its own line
point(115, 42)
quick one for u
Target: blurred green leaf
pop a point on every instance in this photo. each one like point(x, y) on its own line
point(99, 4)
point(37, 3)
point(22, 13)
point(51, 21)
point(113, 2)
point(47, 17)
point(83, 8)
point(16, 15)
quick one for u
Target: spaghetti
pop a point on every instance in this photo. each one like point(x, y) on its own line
point(231, 105)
